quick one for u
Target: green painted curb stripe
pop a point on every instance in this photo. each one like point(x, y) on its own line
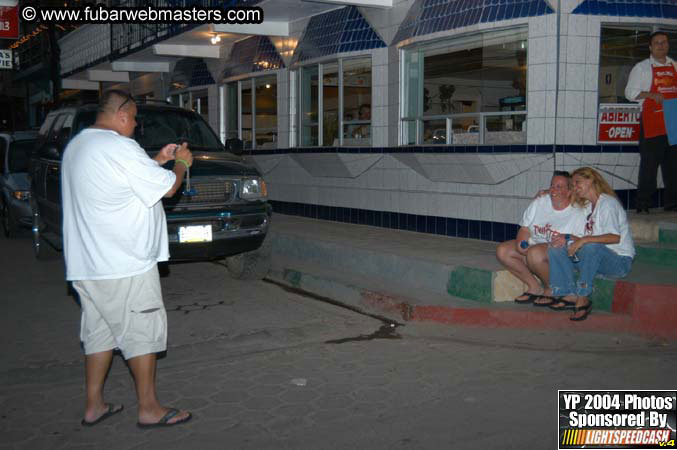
point(666, 257)
point(603, 294)
point(667, 236)
point(471, 284)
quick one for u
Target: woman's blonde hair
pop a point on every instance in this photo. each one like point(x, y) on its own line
point(598, 182)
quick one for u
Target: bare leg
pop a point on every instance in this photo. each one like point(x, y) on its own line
point(150, 411)
point(517, 265)
point(96, 369)
point(537, 262)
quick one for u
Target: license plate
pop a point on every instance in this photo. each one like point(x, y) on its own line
point(195, 233)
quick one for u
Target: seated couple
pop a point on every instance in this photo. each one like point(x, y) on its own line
point(577, 225)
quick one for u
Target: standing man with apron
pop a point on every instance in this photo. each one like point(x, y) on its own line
point(652, 81)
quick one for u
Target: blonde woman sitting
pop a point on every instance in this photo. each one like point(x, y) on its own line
point(606, 247)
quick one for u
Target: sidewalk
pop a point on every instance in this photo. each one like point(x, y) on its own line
point(409, 276)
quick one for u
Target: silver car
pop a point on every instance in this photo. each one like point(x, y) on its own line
point(15, 151)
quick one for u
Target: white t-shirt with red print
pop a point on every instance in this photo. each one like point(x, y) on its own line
point(609, 217)
point(542, 220)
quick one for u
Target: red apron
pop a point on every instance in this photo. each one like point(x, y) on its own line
point(663, 81)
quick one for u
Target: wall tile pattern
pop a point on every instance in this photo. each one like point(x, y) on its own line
point(339, 31)
point(254, 54)
point(433, 16)
point(629, 8)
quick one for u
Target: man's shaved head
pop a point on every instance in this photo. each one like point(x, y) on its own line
point(117, 112)
point(115, 100)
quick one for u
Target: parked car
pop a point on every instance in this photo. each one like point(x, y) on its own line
point(14, 186)
point(228, 203)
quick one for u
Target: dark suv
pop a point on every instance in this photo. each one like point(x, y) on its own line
point(227, 195)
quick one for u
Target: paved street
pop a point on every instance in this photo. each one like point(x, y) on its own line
point(264, 368)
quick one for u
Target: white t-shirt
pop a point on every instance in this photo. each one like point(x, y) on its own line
point(640, 78)
point(609, 218)
point(114, 225)
point(542, 220)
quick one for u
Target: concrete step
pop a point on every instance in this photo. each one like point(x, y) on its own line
point(663, 254)
point(653, 227)
point(646, 312)
point(438, 277)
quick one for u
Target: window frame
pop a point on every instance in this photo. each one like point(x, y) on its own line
point(298, 86)
point(223, 104)
point(626, 105)
point(420, 117)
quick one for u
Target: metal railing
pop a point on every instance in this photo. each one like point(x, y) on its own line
point(484, 130)
point(127, 37)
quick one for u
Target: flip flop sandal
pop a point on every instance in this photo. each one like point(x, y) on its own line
point(111, 412)
point(530, 298)
point(561, 305)
point(547, 297)
point(164, 421)
point(587, 308)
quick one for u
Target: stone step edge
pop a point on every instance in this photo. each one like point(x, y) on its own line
point(480, 284)
point(652, 318)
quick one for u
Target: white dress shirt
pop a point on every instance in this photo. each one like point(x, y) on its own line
point(640, 78)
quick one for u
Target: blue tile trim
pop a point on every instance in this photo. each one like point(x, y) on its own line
point(629, 8)
point(454, 149)
point(254, 54)
point(338, 31)
point(432, 16)
point(200, 75)
point(192, 72)
point(444, 226)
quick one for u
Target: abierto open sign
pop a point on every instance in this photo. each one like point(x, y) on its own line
point(9, 22)
point(618, 123)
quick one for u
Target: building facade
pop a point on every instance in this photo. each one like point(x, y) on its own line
point(437, 116)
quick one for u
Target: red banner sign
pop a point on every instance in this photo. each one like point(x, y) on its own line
point(9, 22)
point(618, 123)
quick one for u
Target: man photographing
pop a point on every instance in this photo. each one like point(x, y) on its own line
point(115, 233)
point(651, 81)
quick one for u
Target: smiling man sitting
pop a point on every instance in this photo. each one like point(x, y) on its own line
point(526, 256)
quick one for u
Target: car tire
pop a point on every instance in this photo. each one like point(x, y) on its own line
point(42, 250)
point(253, 265)
point(9, 225)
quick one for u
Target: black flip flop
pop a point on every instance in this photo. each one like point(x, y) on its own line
point(164, 421)
point(587, 308)
point(566, 305)
point(111, 412)
point(552, 300)
point(530, 298)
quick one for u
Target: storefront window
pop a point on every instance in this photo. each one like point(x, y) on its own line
point(620, 50)
point(309, 106)
point(330, 106)
point(251, 111)
point(246, 113)
point(471, 90)
point(342, 99)
point(232, 116)
point(357, 101)
point(266, 112)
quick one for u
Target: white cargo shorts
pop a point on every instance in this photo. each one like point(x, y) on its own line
point(126, 313)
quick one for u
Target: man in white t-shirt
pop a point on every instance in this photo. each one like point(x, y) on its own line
point(115, 233)
point(548, 218)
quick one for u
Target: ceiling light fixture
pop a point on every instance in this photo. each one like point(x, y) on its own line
point(215, 39)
